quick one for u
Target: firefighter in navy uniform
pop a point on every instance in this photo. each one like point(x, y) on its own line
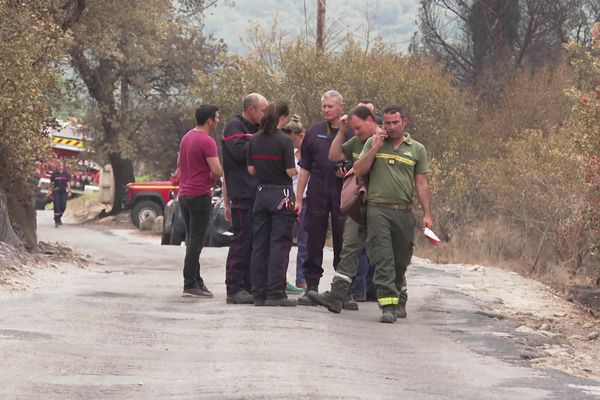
point(61, 190)
point(238, 195)
point(271, 160)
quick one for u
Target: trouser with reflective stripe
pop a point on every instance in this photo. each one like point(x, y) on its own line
point(355, 237)
point(390, 241)
point(59, 201)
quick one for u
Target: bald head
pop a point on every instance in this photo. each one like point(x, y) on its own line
point(254, 105)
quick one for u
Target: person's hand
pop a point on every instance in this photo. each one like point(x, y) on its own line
point(341, 172)
point(379, 139)
point(343, 123)
point(298, 207)
point(227, 213)
point(427, 221)
point(69, 194)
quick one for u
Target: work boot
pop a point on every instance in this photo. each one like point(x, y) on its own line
point(331, 300)
point(401, 311)
point(304, 300)
point(350, 305)
point(388, 315)
point(241, 297)
point(283, 302)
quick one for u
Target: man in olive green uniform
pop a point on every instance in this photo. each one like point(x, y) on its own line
point(362, 121)
point(397, 165)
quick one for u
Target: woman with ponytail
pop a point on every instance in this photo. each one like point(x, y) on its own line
point(271, 160)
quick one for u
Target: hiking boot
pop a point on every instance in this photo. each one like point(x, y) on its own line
point(400, 311)
point(388, 315)
point(283, 302)
point(350, 305)
point(241, 297)
point(197, 292)
point(291, 289)
point(326, 299)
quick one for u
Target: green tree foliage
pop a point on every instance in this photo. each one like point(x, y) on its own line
point(291, 70)
point(31, 43)
point(136, 59)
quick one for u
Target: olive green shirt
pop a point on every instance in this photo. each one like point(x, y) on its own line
point(352, 148)
point(392, 175)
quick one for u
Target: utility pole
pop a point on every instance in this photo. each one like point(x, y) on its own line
point(320, 26)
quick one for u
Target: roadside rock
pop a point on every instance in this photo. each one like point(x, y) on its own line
point(157, 227)
point(147, 224)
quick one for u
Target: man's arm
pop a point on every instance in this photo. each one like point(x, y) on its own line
point(363, 165)
point(291, 172)
point(302, 181)
point(235, 141)
point(336, 152)
point(215, 167)
point(422, 187)
point(226, 202)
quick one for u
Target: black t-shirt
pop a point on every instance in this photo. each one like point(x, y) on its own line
point(271, 154)
point(59, 181)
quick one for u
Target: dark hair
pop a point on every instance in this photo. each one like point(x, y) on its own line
point(204, 112)
point(274, 111)
point(366, 100)
point(362, 112)
point(393, 109)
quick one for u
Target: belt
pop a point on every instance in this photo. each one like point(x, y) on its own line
point(393, 206)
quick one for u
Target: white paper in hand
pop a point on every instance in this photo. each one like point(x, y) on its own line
point(431, 236)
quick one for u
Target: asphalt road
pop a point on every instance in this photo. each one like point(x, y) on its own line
point(119, 329)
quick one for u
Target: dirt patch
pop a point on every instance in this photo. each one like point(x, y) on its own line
point(17, 265)
point(539, 310)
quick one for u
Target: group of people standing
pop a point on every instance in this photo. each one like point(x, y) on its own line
point(275, 174)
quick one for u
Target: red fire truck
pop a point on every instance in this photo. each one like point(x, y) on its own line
point(68, 145)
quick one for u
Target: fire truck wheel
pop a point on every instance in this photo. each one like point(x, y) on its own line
point(144, 209)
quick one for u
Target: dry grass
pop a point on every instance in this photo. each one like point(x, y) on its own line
point(498, 243)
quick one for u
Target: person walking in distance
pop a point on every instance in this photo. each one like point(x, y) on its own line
point(362, 123)
point(271, 161)
point(61, 191)
point(239, 190)
point(199, 166)
point(397, 165)
point(323, 194)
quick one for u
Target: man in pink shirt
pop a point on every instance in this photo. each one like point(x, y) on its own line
point(199, 166)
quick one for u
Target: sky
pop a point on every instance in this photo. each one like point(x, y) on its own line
point(394, 22)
